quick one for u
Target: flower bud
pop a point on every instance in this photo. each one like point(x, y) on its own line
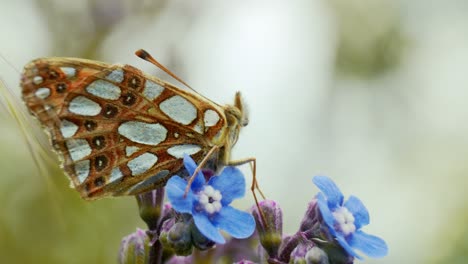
point(149, 204)
point(269, 222)
point(299, 253)
point(167, 211)
point(163, 236)
point(316, 255)
point(179, 238)
point(180, 260)
point(311, 216)
point(134, 248)
point(245, 261)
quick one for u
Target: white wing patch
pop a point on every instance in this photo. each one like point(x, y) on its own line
point(210, 117)
point(68, 128)
point(129, 150)
point(143, 133)
point(116, 76)
point(152, 90)
point(69, 71)
point(179, 150)
point(82, 170)
point(179, 109)
point(115, 174)
point(142, 163)
point(81, 105)
point(78, 148)
point(42, 93)
point(198, 128)
point(37, 80)
point(103, 89)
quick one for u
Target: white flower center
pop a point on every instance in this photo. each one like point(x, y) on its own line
point(344, 221)
point(210, 200)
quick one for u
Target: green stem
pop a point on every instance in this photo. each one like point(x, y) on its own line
point(150, 207)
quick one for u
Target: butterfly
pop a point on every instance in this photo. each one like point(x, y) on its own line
point(119, 131)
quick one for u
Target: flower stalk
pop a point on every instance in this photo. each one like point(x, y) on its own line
point(150, 206)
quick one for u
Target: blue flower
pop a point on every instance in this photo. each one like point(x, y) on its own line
point(345, 219)
point(208, 202)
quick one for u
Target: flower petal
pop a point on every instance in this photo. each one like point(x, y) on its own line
point(359, 211)
point(326, 213)
point(370, 245)
point(237, 223)
point(207, 228)
point(191, 166)
point(230, 183)
point(347, 247)
point(175, 189)
point(330, 190)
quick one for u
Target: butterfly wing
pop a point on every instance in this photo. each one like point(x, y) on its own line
point(118, 131)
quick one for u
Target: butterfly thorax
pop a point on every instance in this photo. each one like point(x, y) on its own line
point(236, 119)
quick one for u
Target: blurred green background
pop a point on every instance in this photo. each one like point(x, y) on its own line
point(371, 93)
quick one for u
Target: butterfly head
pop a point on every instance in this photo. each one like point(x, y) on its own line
point(237, 118)
point(239, 104)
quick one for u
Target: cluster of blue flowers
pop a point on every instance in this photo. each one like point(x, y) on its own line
point(330, 231)
point(209, 202)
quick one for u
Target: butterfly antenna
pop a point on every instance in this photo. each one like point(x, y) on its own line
point(9, 63)
point(147, 57)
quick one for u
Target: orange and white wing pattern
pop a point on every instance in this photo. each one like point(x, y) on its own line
point(118, 131)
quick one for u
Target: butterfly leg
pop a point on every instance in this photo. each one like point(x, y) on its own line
point(199, 168)
point(253, 165)
point(254, 180)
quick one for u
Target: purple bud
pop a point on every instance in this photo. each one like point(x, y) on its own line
point(134, 248)
point(269, 220)
point(167, 209)
point(288, 245)
point(166, 226)
point(245, 261)
point(180, 260)
point(167, 213)
point(236, 250)
point(311, 217)
point(299, 253)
